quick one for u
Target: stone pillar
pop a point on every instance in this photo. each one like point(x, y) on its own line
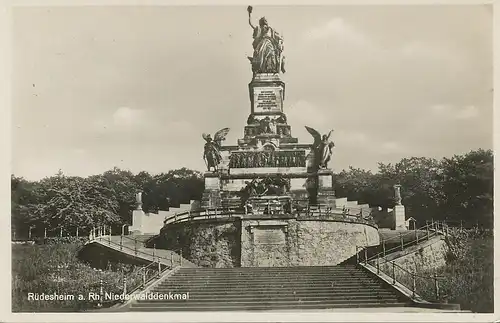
point(399, 217)
point(326, 194)
point(398, 212)
point(211, 195)
point(212, 181)
point(138, 217)
point(325, 179)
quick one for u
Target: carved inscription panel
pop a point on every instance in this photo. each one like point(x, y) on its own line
point(270, 235)
point(267, 99)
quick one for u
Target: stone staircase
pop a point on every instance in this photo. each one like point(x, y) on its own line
point(134, 247)
point(272, 288)
point(151, 223)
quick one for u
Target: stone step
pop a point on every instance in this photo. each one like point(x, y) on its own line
point(259, 288)
point(270, 307)
point(226, 277)
point(205, 271)
point(281, 291)
point(296, 292)
point(231, 282)
point(280, 298)
point(197, 272)
point(191, 303)
point(251, 286)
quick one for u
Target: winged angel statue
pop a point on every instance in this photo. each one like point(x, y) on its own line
point(211, 153)
point(322, 147)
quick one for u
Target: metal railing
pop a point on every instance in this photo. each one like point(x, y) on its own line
point(227, 212)
point(432, 229)
point(121, 246)
point(137, 280)
point(410, 280)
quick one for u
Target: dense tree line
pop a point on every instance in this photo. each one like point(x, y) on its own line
point(459, 188)
point(72, 201)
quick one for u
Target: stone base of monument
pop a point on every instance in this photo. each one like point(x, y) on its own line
point(398, 213)
point(272, 240)
point(325, 179)
point(212, 181)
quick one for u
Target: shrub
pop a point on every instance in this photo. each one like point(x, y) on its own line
point(54, 268)
point(467, 278)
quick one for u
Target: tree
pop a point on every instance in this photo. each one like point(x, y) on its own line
point(70, 202)
point(420, 185)
point(355, 184)
point(468, 187)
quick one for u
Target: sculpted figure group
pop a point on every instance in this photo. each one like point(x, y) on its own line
point(266, 186)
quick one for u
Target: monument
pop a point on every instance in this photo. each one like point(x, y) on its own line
point(268, 200)
point(399, 210)
point(268, 168)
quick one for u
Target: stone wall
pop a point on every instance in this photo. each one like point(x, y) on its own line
point(205, 243)
point(292, 242)
point(427, 256)
point(322, 243)
point(271, 242)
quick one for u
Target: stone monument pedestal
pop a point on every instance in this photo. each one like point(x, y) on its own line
point(212, 181)
point(211, 196)
point(137, 221)
point(326, 194)
point(398, 214)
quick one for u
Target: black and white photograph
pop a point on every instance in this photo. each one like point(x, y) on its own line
point(252, 159)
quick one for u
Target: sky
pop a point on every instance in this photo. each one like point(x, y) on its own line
point(135, 87)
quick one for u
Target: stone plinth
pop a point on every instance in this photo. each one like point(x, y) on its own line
point(399, 217)
point(137, 221)
point(147, 223)
point(212, 181)
point(325, 179)
point(267, 93)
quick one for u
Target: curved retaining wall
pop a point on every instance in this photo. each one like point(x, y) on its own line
point(207, 243)
point(265, 242)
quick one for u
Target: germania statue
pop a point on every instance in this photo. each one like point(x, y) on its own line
point(211, 152)
point(268, 47)
point(322, 147)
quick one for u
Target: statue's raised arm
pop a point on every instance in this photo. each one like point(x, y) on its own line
point(249, 9)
